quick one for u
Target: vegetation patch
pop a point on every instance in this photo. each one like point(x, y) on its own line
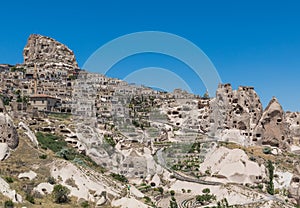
point(51, 141)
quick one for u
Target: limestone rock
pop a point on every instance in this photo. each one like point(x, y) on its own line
point(8, 192)
point(235, 109)
point(273, 128)
point(29, 133)
point(44, 188)
point(293, 120)
point(101, 201)
point(233, 165)
point(8, 132)
point(51, 57)
point(294, 188)
point(4, 151)
point(30, 175)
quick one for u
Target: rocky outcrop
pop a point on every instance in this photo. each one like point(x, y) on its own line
point(8, 132)
point(294, 189)
point(29, 133)
point(8, 192)
point(232, 165)
point(235, 109)
point(293, 120)
point(51, 57)
point(272, 128)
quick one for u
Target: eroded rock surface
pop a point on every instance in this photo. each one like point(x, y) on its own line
point(51, 57)
point(8, 132)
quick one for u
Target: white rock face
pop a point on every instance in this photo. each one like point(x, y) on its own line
point(235, 136)
point(30, 175)
point(101, 201)
point(48, 54)
point(234, 194)
point(283, 180)
point(6, 191)
point(128, 202)
point(29, 133)
point(135, 192)
point(44, 188)
point(156, 180)
point(4, 151)
point(8, 132)
point(64, 170)
point(232, 165)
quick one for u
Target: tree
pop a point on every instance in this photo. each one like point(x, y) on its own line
point(173, 203)
point(172, 192)
point(160, 190)
point(206, 191)
point(60, 194)
point(270, 187)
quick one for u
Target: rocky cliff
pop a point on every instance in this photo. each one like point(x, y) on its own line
point(49, 55)
point(8, 134)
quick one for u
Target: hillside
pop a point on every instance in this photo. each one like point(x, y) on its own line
point(112, 144)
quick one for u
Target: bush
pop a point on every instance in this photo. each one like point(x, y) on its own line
point(67, 154)
point(85, 204)
point(110, 141)
point(51, 180)
point(202, 199)
point(30, 198)
point(8, 204)
point(43, 156)
point(119, 177)
point(9, 179)
point(172, 192)
point(267, 150)
point(206, 191)
point(173, 203)
point(60, 194)
point(160, 190)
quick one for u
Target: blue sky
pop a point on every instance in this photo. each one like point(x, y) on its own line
point(253, 43)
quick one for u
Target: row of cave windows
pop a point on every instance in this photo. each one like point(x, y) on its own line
point(3, 140)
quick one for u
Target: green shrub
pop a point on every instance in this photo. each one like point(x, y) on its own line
point(85, 204)
point(30, 198)
point(110, 141)
point(9, 179)
point(267, 150)
point(119, 177)
point(160, 190)
point(172, 192)
point(8, 204)
point(60, 194)
point(43, 156)
point(67, 154)
point(51, 180)
point(206, 191)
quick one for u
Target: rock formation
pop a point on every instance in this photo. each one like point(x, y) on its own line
point(235, 109)
point(272, 128)
point(8, 132)
point(51, 57)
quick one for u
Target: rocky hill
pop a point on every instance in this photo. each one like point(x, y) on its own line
point(87, 140)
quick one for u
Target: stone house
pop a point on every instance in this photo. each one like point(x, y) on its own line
point(44, 102)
